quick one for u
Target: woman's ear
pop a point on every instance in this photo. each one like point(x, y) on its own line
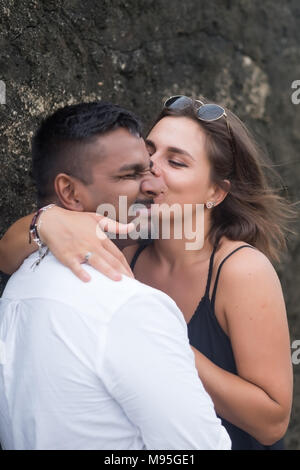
point(68, 192)
point(219, 194)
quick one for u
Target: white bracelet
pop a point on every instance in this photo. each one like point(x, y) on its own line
point(39, 223)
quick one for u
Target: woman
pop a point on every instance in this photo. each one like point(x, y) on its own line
point(228, 290)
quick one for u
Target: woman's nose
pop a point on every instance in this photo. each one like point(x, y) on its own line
point(152, 184)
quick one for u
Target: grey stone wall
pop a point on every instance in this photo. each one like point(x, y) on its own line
point(243, 53)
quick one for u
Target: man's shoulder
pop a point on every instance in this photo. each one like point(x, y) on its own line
point(51, 280)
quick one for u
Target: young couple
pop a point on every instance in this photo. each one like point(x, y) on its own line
point(106, 364)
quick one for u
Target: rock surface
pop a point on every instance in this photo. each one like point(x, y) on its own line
point(244, 54)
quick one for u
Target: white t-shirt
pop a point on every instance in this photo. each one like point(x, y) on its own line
point(97, 365)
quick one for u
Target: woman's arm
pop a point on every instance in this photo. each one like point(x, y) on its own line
point(69, 236)
point(259, 399)
point(14, 245)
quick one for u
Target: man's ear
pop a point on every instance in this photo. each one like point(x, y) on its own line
point(67, 189)
point(219, 194)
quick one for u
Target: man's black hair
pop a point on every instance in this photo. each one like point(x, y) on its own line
point(59, 145)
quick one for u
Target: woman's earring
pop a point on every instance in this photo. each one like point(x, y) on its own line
point(210, 204)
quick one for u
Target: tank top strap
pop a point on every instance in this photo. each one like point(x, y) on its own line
point(219, 270)
point(136, 255)
point(211, 263)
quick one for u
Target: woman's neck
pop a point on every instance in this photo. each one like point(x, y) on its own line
point(173, 253)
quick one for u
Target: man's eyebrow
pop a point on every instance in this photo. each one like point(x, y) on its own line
point(137, 167)
point(170, 149)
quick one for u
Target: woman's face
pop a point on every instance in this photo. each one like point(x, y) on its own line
point(177, 149)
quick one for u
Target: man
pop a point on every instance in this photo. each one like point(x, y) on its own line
point(100, 365)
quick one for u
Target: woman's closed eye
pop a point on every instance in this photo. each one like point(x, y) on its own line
point(177, 164)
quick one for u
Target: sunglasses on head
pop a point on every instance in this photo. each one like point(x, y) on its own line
point(205, 112)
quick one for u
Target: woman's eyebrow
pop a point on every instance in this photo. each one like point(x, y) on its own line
point(170, 149)
point(150, 143)
point(180, 151)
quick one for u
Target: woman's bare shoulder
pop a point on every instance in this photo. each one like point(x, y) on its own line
point(248, 283)
point(244, 263)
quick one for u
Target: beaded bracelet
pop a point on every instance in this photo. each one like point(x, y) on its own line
point(33, 229)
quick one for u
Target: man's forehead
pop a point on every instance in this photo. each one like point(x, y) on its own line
point(120, 147)
point(119, 138)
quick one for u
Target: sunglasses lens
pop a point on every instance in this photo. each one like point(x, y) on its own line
point(178, 102)
point(210, 112)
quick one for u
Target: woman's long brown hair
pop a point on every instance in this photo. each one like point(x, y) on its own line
point(254, 211)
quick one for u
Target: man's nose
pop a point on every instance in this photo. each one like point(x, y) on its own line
point(152, 184)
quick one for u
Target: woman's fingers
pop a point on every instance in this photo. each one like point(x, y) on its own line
point(71, 235)
point(109, 225)
point(76, 267)
point(119, 264)
point(109, 246)
point(111, 264)
point(107, 268)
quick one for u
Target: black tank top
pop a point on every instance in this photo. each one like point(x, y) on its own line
point(206, 335)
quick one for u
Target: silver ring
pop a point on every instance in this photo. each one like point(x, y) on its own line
point(87, 257)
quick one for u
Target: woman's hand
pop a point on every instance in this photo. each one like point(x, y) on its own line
point(71, 235)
